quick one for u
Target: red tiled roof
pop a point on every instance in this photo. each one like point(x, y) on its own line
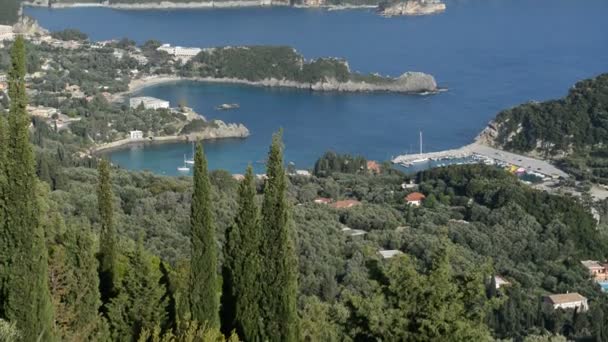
point(415, 196)
point(373, 166)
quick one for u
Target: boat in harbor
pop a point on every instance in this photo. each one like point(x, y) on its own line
point(184, 168)
point(190, 161)
point(227, 106)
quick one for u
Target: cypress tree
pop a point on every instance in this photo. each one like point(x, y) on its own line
point(107, 240)
point(26, 296)
point(141, 302)
point(278, 258)
point(242, 272)
point(204, 297)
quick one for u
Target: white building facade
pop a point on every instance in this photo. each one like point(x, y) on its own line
point(183, 53)
point(133, 135)
point(148, 102)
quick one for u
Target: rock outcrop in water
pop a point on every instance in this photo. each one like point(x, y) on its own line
point(413, 7)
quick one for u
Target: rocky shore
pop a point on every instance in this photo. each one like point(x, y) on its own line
point(409, 82)
point(413, 7)
point(220, 130)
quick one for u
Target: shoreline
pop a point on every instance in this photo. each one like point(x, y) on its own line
point(237, 131)
point(346, 87)
point(167, 5)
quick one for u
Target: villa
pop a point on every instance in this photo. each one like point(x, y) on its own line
point(183, 53)
point(568, 301)
point(415, 199)
point(148, 102)
point(389, 253)
point(598, 271)
point(135, 135)
point(373, 167)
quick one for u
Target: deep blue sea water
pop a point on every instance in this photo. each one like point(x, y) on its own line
point(491, 54)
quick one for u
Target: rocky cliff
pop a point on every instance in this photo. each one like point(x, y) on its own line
point(409, 82)
point(413, 7)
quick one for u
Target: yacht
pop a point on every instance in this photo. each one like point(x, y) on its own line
point(184, 168)
point(190, 161)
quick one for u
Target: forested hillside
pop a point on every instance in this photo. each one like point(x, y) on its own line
point(92, 252)
point(573, 129)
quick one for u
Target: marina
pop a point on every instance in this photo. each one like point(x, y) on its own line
point(477, 152)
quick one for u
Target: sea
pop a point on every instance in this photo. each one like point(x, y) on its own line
point(489, 54)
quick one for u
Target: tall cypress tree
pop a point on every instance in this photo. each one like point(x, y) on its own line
point(107, 241)
point(242, 271)
point(26, 296)
point(279, 261)
point(204, 296)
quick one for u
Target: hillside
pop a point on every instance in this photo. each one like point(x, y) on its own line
point(571, 130)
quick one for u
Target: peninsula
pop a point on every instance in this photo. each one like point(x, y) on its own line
point(281, 66)
point(392, 8)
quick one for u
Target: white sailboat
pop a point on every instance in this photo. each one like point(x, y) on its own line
point(421, 159)
point(183, 168)
point(190, 161)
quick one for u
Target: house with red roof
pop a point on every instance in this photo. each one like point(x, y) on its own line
point(415, 198)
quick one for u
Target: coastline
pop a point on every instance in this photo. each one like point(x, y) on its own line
point(429, 86)
point(167, 5)
point(225, 131)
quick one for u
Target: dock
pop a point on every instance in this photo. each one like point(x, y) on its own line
point(484, 152)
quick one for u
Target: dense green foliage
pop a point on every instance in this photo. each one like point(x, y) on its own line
point(69, 34)
point(204, 285)
point(242, 271)
point(278, 256)
point(332, 162)
point(572, 129)
point(257, 63)
point(107, 239)
point(24, 290)
point(312, 281)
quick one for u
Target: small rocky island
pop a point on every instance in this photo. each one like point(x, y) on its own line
point(411, 7)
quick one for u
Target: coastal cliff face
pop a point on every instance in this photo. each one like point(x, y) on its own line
point(413, 7)
point(409, 82)
point(219, 130)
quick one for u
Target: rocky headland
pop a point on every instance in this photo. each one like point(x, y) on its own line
point(409, 83)
point(218, 130)
point(412, 7)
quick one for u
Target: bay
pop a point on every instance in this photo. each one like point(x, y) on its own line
point(490, 54)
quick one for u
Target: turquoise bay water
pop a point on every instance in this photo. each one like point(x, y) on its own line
point(491, 54)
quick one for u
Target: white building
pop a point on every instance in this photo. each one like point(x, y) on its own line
point(3, 78)
point(568, 301)
point(6, 32)
point(390, 253)
point(183, 53)
point(148, 102)
point(136, 135)
point(500, 282)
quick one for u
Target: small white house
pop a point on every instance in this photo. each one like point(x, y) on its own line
point(148, 102)
point(568, 301)
point(133, 135)
point(390, 253)
point(500, 282)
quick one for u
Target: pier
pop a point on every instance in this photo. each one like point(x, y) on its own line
point(484, 152)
